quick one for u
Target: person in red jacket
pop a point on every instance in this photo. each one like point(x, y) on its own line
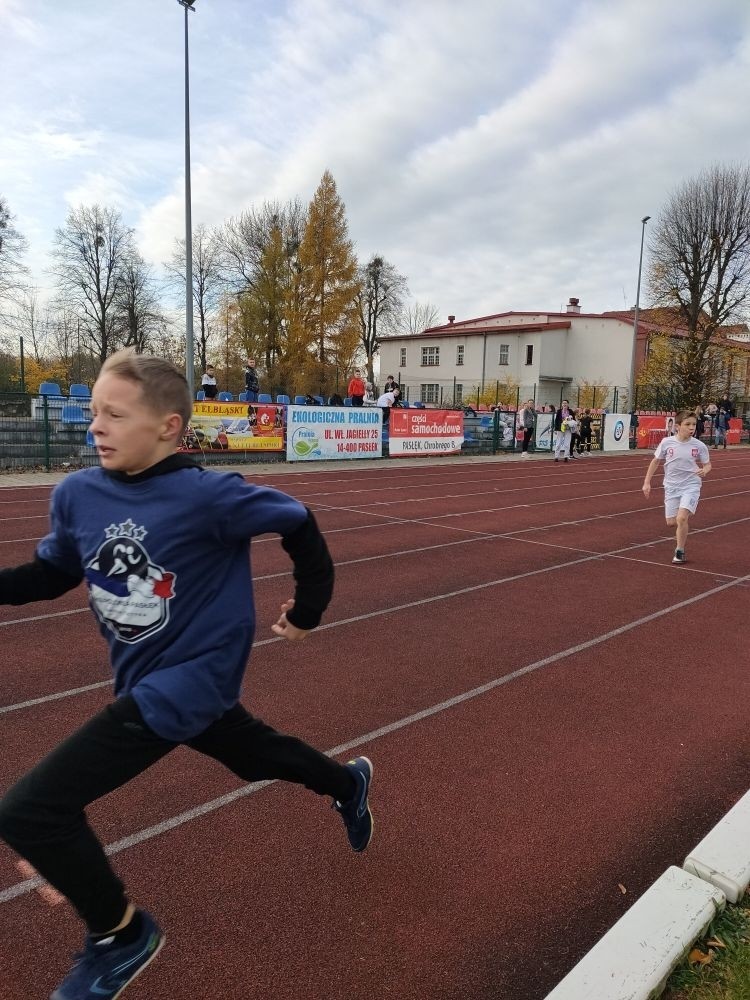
point(356, 388)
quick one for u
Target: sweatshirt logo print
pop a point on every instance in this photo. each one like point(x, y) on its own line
point(129, 592)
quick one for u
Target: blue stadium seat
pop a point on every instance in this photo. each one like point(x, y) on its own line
point(200, 395)
point(282, 398)
point(265, 397)
point(49, 389)
point(320, 400)
point(73, 414)
point(226, 397)
point(80, 390)
point(244, 397)
point(299, 400)
point(419, 406)
point(347, 400)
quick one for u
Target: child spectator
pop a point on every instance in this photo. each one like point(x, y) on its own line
point(686, 464)
point(575, 440)
point(172, 593)
point(584, 437)
point(208, 383)
point(356, 388)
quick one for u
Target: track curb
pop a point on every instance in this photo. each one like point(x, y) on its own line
point(635, 958)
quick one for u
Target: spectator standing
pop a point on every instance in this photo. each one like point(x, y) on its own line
point(391, 384)
point(575, 438)
point(700, 422)
point(562, 437)
point(721, 426)
point(208, 383)
point(252, 385)
point(356, 388)
point(726, 405)
point(526, 424)
point(584, 434)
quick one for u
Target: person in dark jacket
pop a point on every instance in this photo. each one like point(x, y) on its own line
point(172, 593)
point(252, 385)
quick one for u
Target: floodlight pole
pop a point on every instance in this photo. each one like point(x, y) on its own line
point(631, 401)
point(189, 344)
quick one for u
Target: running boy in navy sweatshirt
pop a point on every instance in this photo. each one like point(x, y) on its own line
point(171, 589)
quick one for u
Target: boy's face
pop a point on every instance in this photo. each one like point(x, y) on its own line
point(686, 428)
point(130, 436)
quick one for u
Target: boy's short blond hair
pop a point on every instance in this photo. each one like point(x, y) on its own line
point(163, 386)
point(684, 415)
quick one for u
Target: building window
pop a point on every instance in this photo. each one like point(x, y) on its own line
point(430, 356)
point(460, 354)
point(529, 354)
point(402, 362)
point(430, 392)
point(459, 394)
point(504, 354)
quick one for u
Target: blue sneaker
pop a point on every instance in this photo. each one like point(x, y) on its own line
point(356, 812)
point(102, 971)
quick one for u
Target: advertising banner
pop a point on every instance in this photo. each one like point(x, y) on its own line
point(651, 429)
point(235, 427)
point(543, 431)
point(425, 432)
point(332, 432)
point(616, 431)
point(735, 430)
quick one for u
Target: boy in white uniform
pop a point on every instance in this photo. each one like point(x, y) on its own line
point(686, 463)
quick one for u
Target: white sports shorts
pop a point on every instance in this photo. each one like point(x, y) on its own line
point(687, 498)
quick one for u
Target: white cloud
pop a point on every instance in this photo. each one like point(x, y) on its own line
point(500, 155)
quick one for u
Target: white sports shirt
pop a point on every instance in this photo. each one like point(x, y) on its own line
point(680, 462)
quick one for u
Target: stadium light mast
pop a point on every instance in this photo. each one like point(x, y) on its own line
point(631, 400)
point(189, 6)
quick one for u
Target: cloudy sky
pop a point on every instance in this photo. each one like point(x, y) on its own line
point(500, 154)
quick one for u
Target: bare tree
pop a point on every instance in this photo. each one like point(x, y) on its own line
point(421, 316)
point(700, 267)
point(140, 315)
point(208, 280)
point(13, 246)
point(89, 255)
point(244, 239)
point(380, 304)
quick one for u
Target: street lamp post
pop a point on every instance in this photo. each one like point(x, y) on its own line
point(189, 6)
point(631, 401)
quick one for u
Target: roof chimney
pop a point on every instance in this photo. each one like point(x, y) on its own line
point(451, 319)
point(573, 305)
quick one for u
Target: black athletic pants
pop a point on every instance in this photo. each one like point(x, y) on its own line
point(42, 817)
point(584, 439)
point(528, 433)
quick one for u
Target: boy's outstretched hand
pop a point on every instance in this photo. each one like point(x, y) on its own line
point(285, 628)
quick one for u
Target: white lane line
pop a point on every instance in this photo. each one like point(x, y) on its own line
point(148, 833)
point(379, 612)
point(476, 536)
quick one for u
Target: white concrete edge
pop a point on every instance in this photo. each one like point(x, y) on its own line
point(723, 856)
point(636, 957)
point(721, 863)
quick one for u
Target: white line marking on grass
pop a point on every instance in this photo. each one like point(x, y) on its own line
point(141, 836)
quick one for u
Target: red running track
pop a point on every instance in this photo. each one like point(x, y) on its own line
point(553, 711)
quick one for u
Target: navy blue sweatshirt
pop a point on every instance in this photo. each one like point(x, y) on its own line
point(165, 555)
